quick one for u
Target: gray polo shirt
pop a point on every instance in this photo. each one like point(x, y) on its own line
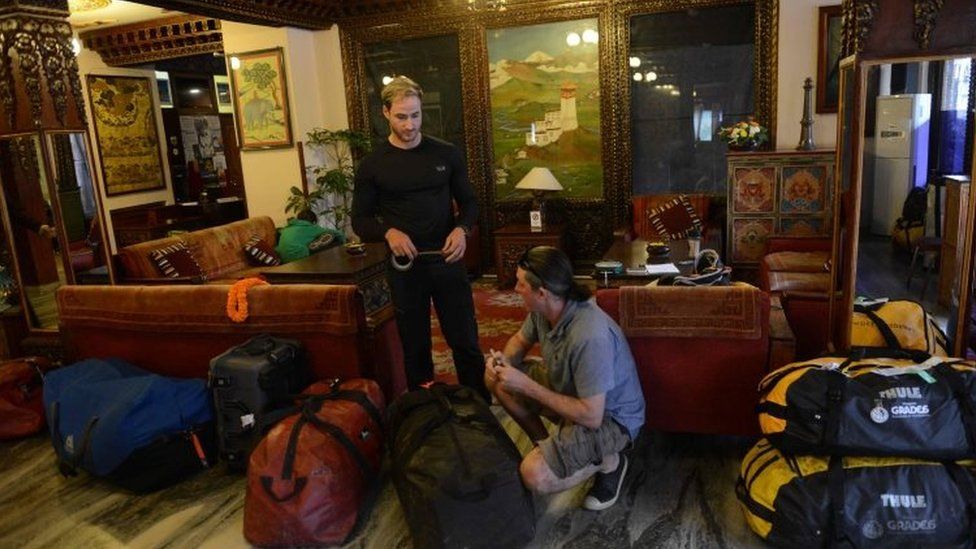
point(587, 354)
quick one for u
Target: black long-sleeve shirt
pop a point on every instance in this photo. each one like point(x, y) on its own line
point(411, 190)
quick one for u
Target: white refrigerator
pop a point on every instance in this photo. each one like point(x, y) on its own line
point(901, 154)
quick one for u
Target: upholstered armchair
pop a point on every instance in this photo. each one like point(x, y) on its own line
point(700, 352)
point(797, 271)
point(642, 226)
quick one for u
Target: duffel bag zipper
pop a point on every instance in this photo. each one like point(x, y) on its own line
point(198, 446)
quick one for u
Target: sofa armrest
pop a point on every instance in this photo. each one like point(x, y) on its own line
point(162, 281)
point(782, 341)
point(798, 244)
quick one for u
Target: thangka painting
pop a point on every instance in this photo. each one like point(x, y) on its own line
point(125, 129)
point(545, 106)
point(261, 99)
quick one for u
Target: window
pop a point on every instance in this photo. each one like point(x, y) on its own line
point(690, 73)
point(433, 62)
point(954, 115)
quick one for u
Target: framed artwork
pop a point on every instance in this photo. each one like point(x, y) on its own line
point(225, 102)
point(829, 39)
point(125, 130)
point(261, 100)
point(164, 89)
point(545, 106)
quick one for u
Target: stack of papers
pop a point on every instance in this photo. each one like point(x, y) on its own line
point(662, 269)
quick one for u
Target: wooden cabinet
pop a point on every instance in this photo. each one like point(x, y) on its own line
point(512, 241)
point(953, 237)
point(783, 193)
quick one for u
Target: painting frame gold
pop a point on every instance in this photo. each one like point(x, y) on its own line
point(829, 53)
point(252, 115)
point(116, 167)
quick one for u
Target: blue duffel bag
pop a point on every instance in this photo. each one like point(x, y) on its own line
point(134, 428)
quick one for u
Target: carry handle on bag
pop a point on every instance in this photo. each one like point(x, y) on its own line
point(308, 415)
point(68, 465)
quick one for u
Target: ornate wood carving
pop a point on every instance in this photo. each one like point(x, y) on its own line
point(925, 13)
point(37, 65)
point(857, 21)
point(589, 222)
point(155, 40)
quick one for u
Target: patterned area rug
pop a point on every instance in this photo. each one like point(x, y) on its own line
point(499, 314)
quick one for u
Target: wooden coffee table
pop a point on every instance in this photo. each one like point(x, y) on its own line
point(633, 254)
point(336, 266)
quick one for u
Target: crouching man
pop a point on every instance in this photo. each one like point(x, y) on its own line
point(586, 383)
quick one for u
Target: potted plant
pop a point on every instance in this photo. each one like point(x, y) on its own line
point(744, 136)
point(331, 192)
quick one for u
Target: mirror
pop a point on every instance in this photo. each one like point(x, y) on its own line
point(37, 253)
point(52, 212)
point(79, 207)
point(905, 231)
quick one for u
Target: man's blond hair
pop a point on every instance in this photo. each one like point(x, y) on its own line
point(398, 88)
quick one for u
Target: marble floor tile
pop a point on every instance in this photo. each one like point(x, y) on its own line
point(678, 494)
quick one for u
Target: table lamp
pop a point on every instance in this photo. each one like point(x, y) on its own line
point(538, 180)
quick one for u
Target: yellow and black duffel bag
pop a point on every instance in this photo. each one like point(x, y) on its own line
point(873, 407)
point(896, 324)
point(807, 501)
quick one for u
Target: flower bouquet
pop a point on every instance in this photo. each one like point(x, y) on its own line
point(744, 136)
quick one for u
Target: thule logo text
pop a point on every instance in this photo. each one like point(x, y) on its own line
point(904, 500)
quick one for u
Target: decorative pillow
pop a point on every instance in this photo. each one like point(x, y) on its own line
point(321, 242)
point(674, 219)
point(260, 254)
point(175, 261)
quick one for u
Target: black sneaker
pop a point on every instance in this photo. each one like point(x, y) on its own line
point(606, 487)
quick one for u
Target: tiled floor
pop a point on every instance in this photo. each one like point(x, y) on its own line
point(678, 493)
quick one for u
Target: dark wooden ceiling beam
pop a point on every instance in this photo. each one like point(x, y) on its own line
point(155, 40)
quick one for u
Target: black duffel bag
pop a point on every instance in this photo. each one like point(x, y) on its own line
point(456, 471)
point(871, 407)
point(809, 501)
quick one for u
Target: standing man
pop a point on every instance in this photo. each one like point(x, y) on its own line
point(403, 194)
point(586, 383)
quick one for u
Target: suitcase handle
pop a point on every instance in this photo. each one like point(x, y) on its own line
point(259, 345)
point(268, 482)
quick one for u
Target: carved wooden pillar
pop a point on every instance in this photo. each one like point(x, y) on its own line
point(39, 83)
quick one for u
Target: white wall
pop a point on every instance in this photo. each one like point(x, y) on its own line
point(798, 23)
point(90, 62)
point(316, 94)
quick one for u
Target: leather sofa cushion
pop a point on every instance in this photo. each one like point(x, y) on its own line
point(803, 262)
point(781, 281)
point(218, 250)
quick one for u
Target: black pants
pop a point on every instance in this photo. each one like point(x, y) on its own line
point(447, 285)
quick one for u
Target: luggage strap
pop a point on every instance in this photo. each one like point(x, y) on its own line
point(891, 340)
point(835, 395)
point(966, 406)
point(752, 505)
point(835, 490)
point(440, 396)
point(68, 465)
point(308, 415)
point(862, 353)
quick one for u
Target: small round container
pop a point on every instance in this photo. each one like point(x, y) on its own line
point(354, 248)
point(658, 252)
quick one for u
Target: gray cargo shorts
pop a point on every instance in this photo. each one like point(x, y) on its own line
point(572, 446)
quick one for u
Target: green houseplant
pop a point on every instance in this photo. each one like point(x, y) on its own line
point(331, 192)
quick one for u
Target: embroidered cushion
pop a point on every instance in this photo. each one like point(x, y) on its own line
point(321, 242)
point(175, 261)
point(674, 219)
point(259, 253)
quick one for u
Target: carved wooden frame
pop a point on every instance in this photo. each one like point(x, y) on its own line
point(587, 218)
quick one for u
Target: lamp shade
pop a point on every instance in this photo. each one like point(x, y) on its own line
point(539, 179)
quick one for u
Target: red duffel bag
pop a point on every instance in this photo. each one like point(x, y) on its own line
point(308, 478)
point(22, 396)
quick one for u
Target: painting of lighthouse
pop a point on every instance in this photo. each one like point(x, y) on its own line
point(545, 106)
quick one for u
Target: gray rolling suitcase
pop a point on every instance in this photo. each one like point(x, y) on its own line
point(253, 386)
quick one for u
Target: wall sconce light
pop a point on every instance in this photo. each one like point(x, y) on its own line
point(539, 181)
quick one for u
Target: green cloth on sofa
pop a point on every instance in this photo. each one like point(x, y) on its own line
point(294, 238)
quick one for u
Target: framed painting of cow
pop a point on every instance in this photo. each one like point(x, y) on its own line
point(261, 99)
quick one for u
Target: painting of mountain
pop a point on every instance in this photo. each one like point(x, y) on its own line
point(545, 106)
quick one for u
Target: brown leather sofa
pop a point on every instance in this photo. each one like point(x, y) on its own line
point(175, 330)
point(218, 251)
point(700, 352)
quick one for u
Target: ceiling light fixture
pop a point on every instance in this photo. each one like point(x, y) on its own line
point(590, 36)
point(638, 77)
point(235, 63)
point(634, 62)
point(76, 6)
point(573, 39)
